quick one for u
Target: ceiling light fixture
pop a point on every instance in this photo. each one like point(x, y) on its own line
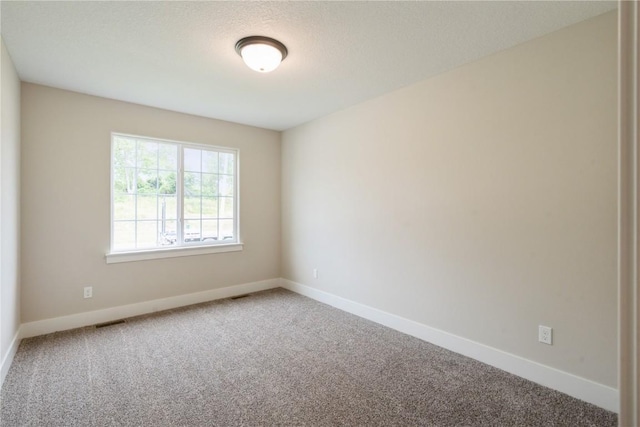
point(262, 54)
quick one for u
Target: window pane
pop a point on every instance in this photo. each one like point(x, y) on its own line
point(124, 152)
point(168, 233)
point(226, 163)
point(167, 207)
point(147, 234)
point(146, 195)
point(147, 181)
point(192, 184)
point(147, 155)
point(226, 207)
point(226, 229)
point(226, 185)
point(210, 161)
point(167, 183)
point(147, 207)
point(168, 157)
point(124, 235)
point(192, 207)
point(209, 184)
point(209, 230)
point(192, 159)
point(124, 180)
point(210, 207)
point(124, 207)
point(192, 231)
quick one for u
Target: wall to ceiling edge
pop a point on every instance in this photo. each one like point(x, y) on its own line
point(481, 202)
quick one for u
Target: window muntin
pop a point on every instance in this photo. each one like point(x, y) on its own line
point(167, 194)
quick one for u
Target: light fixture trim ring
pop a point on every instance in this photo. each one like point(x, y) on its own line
point(261, 40)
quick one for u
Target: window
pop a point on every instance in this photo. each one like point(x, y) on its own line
point(166, 194)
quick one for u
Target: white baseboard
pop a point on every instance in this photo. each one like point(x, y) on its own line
point(8, 357)
point(598, 394)
point(79, 320)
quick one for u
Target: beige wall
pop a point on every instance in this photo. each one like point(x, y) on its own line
point(481, 202)
point(66, 203)
point(9, 202)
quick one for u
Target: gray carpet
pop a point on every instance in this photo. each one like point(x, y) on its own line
point(272, 358)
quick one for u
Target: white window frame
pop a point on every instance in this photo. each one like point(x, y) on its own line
point(183, 248)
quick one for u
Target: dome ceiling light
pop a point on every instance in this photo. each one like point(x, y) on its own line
point(262, 54)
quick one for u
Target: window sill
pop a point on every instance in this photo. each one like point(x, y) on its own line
point(115, 257)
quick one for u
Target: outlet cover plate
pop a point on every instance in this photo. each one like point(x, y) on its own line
point(545, 334)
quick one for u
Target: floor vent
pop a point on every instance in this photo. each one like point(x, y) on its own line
point(104, 325)
point(240, 296)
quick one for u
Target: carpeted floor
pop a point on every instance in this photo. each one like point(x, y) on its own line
point(272, 358)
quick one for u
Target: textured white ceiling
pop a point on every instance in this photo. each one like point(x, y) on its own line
point(180, 55)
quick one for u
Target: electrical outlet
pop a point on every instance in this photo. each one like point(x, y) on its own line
point(545, 334)
point(315, 273)
point(88, 292)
